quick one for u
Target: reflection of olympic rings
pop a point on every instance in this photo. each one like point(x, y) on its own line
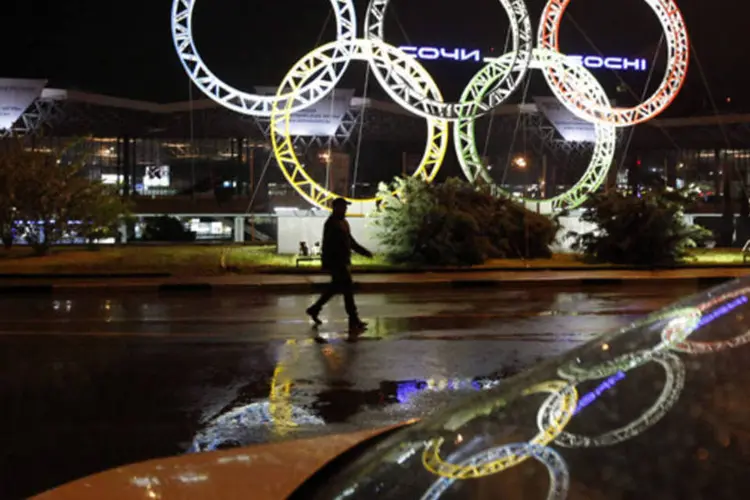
point(673, 385)
point(506, 75)
point(380, 55)
point(553, 415)
point(682, 344)
point(466, 145)
point(558, 472)
point(682, 323)
point(562, 401)
point(279, 403)
point(252, 104)
point(677, 64)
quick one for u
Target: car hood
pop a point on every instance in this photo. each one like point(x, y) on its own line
point(261, 472)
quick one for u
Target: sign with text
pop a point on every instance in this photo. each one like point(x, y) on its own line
point(15, 97)
point(321, 119)
point(568, 125)
point(617, 63)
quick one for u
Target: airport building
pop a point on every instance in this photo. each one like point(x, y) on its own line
point(215, 168)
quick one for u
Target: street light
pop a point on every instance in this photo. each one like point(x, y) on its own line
point(325, 157)
point(520, 162)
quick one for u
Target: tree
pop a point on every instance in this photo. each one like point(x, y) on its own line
point(456, 223)
point(98, 210)
point(648, 229)
point(43, 200)
point(51, 200)
point(11, 154)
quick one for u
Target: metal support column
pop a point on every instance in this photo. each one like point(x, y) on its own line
point(239, 229)
point(123, 230)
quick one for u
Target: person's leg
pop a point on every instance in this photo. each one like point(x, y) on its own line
point(346, 285)
point(314, 310)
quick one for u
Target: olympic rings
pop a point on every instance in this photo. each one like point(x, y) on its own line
point(678, 55)
point(682, 323)
point(505, 75)
point(606, 140)
point(559, 476)
point(673, 385)
point(563, 400)
point(410, 85)
point(253, 104)
point(378, 54)
point(682, 344)
point(553, 415)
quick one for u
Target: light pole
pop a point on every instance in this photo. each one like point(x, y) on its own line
point(522, 163)
point(325, 157)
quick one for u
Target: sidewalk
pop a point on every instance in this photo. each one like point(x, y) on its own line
point(374, 282)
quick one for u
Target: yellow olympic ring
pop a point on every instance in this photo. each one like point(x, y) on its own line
point(321, 59)
point(563, 394)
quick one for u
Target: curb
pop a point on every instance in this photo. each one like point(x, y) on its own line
point(73, 276)
point(380, 287)
point(593, 268)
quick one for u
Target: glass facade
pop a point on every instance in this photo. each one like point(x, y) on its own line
point(215, 175)
point(704, 171)
point(221, 170)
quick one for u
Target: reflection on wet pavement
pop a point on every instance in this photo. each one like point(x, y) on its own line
point(89, 384)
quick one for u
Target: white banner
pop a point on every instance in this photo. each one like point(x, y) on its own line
point(321, 119)
point(568, 125)
point(15, 98)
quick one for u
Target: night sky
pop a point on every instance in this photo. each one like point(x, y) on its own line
point(125, 49)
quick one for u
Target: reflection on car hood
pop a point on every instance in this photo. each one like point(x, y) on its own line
point(262, 472)
point(658, 409)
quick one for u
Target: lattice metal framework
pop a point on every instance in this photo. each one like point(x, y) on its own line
point(678, 55)
point(255, 104)
point(506, 74)
point(378, 54)
point(345, 133)
point(411, 86)
point(602, 155)
point(41, 113)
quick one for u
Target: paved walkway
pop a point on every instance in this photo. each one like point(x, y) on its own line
point(368, 282)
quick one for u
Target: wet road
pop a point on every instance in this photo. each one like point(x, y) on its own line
point(91, 383)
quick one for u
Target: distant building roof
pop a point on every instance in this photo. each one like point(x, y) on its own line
point(72, 113)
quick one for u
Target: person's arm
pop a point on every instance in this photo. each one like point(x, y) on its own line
point(359, 248)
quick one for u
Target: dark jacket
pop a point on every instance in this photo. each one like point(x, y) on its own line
point(338, 244)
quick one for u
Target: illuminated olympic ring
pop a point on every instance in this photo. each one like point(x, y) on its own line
point(409, 84)
point(398, 66)
point(682, 322)
point(606, 139)
point(559, 477)
point(673, 385)
point(252, 104)
point(678, 54)
point(506, 75)
point(563, 400)
point(683, 344)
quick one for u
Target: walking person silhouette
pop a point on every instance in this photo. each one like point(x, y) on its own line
point(338, 245)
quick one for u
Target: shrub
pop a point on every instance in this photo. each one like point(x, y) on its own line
point(648, 229)
point(456, 223)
